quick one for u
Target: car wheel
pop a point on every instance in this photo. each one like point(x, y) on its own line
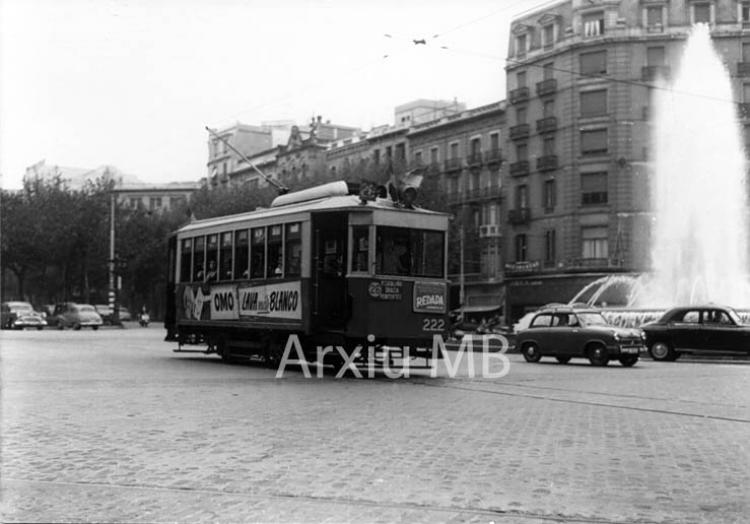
point(662, 351)
point(77, 326)
point(531, 352)
point(598, 355)
point(39, 328)
point(94, 327)
point(563, 360)
point(628, 360)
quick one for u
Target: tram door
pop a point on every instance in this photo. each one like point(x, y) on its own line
point(329, 270)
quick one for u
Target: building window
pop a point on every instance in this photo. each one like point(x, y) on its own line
point(177, 201)
point(744, 15)
point(655, 56)
point(521, 248)
point(494, 141)
point(594, 242)
point(594, 63)
point(521, 115)
point(521, 79)
point(654, 17)
point(434, 157)
point(521, 43)
point(593, 189)
point(594, 103)
point(549, 196)
point(522, 196)
point(701, 13)
point(476, 147)
point(452, 186)
point(376, 157)
point(548, 146)
point(594, 142)
point(522, 152)
point(135, 202)
point(454, 150)
point(548, 109)
point(593, 24)
point(550, 242)
point(548, 36)
point(154, 203)
point(418, 158)
point(746, 51)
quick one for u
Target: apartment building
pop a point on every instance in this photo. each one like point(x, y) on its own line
point(580, 81)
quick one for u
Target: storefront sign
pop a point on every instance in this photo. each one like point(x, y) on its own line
point(282, 300)
point(386, 289)
point(429, 297)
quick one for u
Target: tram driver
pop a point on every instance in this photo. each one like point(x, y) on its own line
point(397, 260)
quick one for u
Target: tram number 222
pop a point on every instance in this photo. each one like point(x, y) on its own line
point(433, 324)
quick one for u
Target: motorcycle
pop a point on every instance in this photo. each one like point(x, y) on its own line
point(144, 319)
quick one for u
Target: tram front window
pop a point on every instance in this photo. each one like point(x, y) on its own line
point(411, 252)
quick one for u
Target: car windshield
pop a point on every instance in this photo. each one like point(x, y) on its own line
point(86, 309)
point(592, 319)
point(734, 316)
point(21, 308)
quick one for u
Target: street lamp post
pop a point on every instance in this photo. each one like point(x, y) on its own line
point(113, 263)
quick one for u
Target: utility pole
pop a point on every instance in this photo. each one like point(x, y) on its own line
point(113, 262)
point(461, 268)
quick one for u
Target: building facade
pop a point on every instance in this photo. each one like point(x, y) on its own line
point(156, 197)
point(581, 77)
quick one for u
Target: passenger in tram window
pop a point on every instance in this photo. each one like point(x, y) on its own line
point(279, 271)
point(397, 259)
point(211, 274)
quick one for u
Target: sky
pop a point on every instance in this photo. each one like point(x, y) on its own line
point(133, 83)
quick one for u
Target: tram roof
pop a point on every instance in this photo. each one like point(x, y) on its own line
point(334, 203)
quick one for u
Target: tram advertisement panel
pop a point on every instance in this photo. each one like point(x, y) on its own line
point(281, 300)
point(224, 303)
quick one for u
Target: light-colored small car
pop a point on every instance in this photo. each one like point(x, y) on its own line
point(76, 316)
point(19, 315)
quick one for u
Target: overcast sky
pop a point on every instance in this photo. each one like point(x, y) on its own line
point(132, 83)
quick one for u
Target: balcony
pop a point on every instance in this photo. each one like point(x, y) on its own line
point(520, 131)
point(588, 264)
point(546, 163)
point(519, 95)
point(546, 87)
point(651, 73)
point(474, 160)
point(743, 68)
point(546, 125)
point(519, 216)
point(453, 164)
point(493, 158)
point(519, 168)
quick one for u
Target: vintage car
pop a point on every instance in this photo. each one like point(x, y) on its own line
point(691, 329)
point(567, 332)
point(19, 315)
point(76, 316)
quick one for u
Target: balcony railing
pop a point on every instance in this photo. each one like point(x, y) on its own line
point(546, 125)
point(519, 95)
point(546, 87)
point(520, 131)
point(546, 163)
point(493, 157)
point(453, 164)
point(556, 266)
point(474, 160)
point(651, 73)
point(743, 68)
point(520, 168)
point(522, 215)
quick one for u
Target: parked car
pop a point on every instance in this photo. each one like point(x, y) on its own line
point(105, 311)
point(567, 332)
point(694, 329)
point(76, 316)
point(125, 314)
point(19, 315)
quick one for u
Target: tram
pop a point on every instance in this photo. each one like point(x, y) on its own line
point(330, 264)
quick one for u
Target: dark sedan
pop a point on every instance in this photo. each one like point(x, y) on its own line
point(694, 329)
point(567, 332)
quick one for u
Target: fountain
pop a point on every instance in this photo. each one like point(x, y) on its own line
point(699, 243)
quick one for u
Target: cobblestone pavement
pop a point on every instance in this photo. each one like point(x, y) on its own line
point(111, 426)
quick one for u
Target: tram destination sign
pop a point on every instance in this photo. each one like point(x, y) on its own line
point(282, 300)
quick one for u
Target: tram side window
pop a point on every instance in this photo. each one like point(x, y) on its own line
point(225, 257)
point(275, 264)
point(212, 254)
point(293, 250)
point(199, 251)
point(186, 257)
point(361, 240)
point(241, 253)
point(258, 253)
